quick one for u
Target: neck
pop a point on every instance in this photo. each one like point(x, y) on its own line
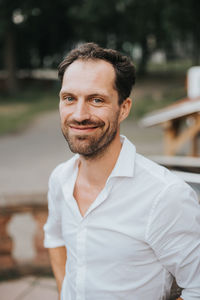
point(97, 170)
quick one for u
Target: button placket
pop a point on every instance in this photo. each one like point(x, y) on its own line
point(81, 260)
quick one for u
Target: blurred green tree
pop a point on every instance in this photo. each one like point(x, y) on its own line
point(33, 33)
point(122, 24)
point(183, 19)
point(8, 32)
point(36, 34)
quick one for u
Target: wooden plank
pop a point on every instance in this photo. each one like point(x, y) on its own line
point(177, 161)
point(172, 112)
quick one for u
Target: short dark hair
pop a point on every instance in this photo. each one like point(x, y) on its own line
point(124, 68)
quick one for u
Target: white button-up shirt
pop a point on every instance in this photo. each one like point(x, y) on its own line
point(142, 229)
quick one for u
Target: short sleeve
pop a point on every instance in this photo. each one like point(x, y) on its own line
point(52, 229)
point(173, 232)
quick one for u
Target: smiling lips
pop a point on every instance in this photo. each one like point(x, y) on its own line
point(83, 128)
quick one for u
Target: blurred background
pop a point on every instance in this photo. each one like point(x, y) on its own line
point(163, 39)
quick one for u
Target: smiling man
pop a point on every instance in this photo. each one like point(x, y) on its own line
point(119, 225)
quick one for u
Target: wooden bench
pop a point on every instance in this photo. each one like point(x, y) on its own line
point(181, 123)
point(182, 163)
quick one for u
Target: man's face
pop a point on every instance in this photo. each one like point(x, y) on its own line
point(89, 106)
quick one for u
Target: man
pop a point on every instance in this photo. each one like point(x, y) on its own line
point(119, 225)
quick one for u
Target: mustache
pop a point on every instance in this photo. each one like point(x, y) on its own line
point(85, 122)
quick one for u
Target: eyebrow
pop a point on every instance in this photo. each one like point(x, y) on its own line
point(62, 91)
point(98, 95)
point(65, 92)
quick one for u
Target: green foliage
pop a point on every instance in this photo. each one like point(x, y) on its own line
point(148, 103)
point(156, 91)
point(44, 32)
point(38, 33)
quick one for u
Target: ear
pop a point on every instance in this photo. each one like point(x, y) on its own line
point(125, 108)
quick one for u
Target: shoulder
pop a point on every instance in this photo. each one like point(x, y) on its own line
point(167, 189)
point(155, 173)
point(148, 176)
point(144, 169)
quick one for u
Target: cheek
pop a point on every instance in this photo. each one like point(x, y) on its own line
point(114, 116)
point(64, 112)
point(108, 114)
point(62, 115)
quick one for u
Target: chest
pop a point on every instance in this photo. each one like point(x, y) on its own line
point(113, 229)
point(85, 195)
point(104, 237)
point(114, 226)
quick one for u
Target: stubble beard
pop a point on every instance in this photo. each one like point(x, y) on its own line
point(92, 146)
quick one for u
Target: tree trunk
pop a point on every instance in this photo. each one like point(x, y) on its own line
point(10, 62)
point(196, 51)
point(142, 69)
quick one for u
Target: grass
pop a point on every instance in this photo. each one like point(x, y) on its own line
point(175, 66)
point(16, 112)
point(148, 103)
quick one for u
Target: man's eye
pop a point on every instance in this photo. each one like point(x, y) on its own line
point(97, 100)
point(68, 98)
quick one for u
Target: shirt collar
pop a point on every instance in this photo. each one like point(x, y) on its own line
point(124, 166)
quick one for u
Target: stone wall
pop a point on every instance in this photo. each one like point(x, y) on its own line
point(21, 235)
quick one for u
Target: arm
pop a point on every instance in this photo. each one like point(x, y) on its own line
point(58, 260)
point(53, 238)
point(174, 234)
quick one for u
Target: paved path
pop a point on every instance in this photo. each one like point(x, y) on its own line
point(29, 288)
point(27, 158)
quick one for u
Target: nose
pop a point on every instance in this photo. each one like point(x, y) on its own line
point(81, 111)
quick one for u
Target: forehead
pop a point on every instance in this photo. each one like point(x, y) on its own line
point(89, 74)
